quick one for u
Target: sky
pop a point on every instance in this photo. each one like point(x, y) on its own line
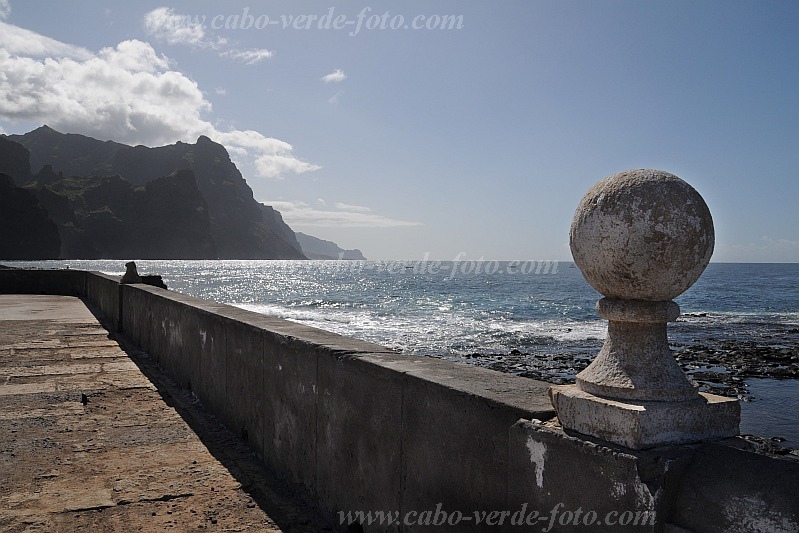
point(442, 130)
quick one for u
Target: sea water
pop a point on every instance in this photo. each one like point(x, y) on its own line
point(458, 309)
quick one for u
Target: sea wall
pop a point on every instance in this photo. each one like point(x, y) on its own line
point(356, 427)
point(19, 281)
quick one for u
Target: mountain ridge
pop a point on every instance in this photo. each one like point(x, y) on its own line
point(238, 226)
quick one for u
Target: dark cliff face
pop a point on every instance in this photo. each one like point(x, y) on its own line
point(238, 227)
point(26, 230)
point(274, 219)
point(14, 160)
point(174, 202)
point(108, 217)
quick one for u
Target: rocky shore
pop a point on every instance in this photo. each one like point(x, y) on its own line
point(719, 367)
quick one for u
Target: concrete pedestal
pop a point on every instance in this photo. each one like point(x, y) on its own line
point(639, 424)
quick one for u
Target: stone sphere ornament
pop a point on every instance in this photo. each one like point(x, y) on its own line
point(641, 238)
point(642, 235)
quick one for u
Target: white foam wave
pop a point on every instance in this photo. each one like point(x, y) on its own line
point(437, 332)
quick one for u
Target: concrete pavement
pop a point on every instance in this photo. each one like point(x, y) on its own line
point(94, 438)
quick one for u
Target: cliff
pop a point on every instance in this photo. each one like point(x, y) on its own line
point(14, 160)
point(26, 230)
point(274, 219)
point(315, 248)
point(108, 217)
point(239, 228)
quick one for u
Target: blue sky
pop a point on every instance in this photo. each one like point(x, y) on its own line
point(478, 140)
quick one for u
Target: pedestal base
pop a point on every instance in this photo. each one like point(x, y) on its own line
point(640, 425)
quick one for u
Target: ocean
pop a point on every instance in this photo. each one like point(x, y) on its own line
point(738, 334)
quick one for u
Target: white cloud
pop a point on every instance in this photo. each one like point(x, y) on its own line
point(346, 216)
point(355, 208)
point(134, 56)
point(337, 76)
point(5, 9)
point(277, 164)
point(126, 93)
point(19, 41)
point(248, 57)
point(166, 25)
point(272, 157)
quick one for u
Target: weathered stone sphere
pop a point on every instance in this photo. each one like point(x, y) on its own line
point(642, 235)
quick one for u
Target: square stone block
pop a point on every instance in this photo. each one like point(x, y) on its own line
point(641, 425)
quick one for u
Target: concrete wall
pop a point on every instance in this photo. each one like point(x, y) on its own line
point(100, 290)
point(727, 489)
point(565, 473)
point(62, 282)
point(352, 424)
point(105, 294)
point(356, 427)
point(709, 487)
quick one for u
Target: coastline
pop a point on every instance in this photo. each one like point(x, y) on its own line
point(724, 367)
point(539, 326)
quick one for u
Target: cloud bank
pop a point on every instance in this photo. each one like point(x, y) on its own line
point(127, 93)
point(343, 216)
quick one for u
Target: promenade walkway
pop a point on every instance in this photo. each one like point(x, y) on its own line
point(94, 438)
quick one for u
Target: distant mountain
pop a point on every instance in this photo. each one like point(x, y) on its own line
point(115, 173)
point(315, 248)
point(26, 231)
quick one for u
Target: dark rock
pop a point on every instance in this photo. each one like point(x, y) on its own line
point(57, 206)
point(131, 273)
point(767, 446)
point(154, 280)
point(14, 160)
point(26, 230)
point(45, 176)
point(132, 276)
